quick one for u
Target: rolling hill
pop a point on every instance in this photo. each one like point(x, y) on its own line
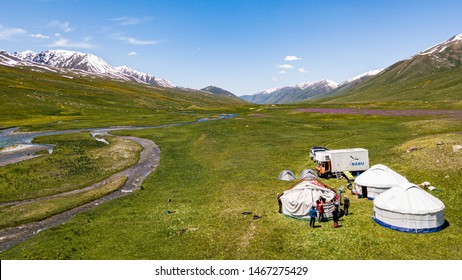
point(434, 74)
point(39, 95)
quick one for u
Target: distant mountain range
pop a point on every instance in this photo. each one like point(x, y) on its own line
point(80, 63)
point(291, 94)
point(307, 91)
point(433, 73)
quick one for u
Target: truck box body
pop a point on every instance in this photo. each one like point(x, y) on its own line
point(356, 159)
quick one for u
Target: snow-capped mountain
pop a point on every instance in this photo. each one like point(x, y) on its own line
point(9, 60)
point(360, 77)
point(432, 74)
point(443, 56)
point(291, 94)
point(88, 63)
point(70, 60)
point(457, 39)
point(143, 77)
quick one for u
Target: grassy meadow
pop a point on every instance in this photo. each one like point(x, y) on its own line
point(211, 172)
point(77, 161)
point(43, 100)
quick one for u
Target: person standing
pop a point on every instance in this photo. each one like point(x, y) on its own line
point(312, 216)
point(335, 216)
point(321, 211)
point(346, 204)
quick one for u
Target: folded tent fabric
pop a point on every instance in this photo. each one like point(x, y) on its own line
point(298, 200)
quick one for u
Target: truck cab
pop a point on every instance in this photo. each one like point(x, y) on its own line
point(323, 164)
point(323, 169)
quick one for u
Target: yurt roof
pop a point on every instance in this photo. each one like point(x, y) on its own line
point(380, 176)
point(408, 198)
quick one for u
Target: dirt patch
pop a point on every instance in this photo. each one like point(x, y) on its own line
point(353, 111)
point(247, 237)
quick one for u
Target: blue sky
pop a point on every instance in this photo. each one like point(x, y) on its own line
point(243, 46)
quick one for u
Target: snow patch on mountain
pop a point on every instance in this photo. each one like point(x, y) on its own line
point(358, 77)
point(438, 48)
point(143, 77)
point(292, 93)
point(88, 63)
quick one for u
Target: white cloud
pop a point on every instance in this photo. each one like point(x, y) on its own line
point(39, 36)
point(57, 34)
point(133, 41)
point(65, 43)
point(7, 33)
point(274, 79)
point(132, 53)
point(130, 21)
point(302, 70)
point(285, 66)
point(291, 58)
point(64, 26)
point(282, 72)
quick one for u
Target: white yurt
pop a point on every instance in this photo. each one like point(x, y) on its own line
point(298, 200)
point(286, 175)
point(378, 179)
point(409, 208)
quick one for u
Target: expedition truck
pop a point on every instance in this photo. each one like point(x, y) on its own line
point(341, 162)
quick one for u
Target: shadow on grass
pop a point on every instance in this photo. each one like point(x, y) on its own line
point(445, 225)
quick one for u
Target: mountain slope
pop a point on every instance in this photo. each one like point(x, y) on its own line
point(434, 74)
point(32, 95)
point(88, 63)
point(218, 90)
point(349, 84)
point(291, 94)
point(143, 77)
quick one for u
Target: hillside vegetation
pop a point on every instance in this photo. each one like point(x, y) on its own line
point(48, 100)
point(441, 87)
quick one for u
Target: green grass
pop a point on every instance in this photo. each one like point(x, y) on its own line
point(434, 88)
point(214, 171)
point(48, 101)
point(34, 211)
point(77, 161)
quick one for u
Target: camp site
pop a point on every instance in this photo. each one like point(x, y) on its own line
point(397, 203)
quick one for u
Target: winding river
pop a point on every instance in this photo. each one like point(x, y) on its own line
point(149, 160)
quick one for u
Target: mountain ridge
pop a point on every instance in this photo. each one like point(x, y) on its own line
point(291, 94)
point(218, 90)
point(433, 74)
point(88, 63)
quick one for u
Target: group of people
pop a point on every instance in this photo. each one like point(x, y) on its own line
point(318, 211)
